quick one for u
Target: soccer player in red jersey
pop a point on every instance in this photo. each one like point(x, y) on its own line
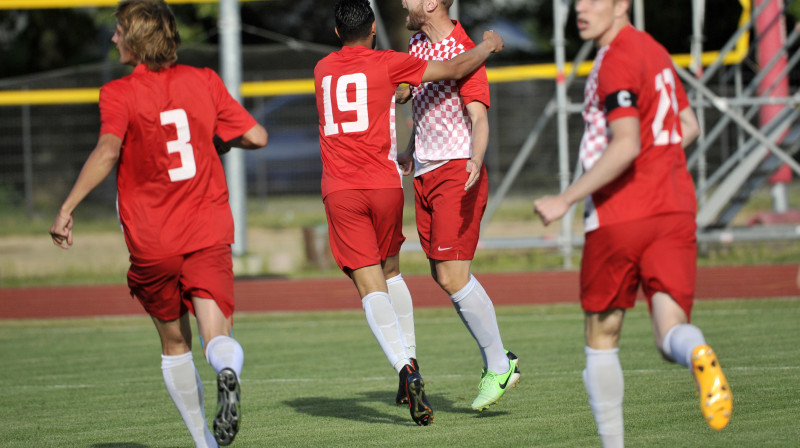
point(639, 213)
point(362, 181)
point(451, 133)
point(158, 128)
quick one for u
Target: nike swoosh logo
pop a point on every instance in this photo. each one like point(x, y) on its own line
point(503, 385)
point(441, 249)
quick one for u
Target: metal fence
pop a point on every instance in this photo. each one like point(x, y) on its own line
point(42, 147)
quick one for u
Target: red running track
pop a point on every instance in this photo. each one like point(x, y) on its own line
point(261, 295)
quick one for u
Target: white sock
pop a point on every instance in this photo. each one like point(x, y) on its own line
point(605, 386)
point(184, 386)
point(477, 312)
point(224, 351)
point(680, 341)
point(383, 322)
point(400, 297)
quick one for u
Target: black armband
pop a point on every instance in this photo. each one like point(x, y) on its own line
point(620, 98)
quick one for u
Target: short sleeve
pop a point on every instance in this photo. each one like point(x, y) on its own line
point(616, 75)
point(403, 67)
point(233, 120)
point(475, 87)
point(113, 110)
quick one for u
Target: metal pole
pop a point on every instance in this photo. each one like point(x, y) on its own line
point(751, 87)
point(230, 61)
point(638, 14)
point(698, 16)
point(723, 106)
point(738, 87)
point(383, 38)
point(560, 12)
point(531, 140)
point(27, 159)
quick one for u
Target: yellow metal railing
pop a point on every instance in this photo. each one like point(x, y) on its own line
point(306, 86)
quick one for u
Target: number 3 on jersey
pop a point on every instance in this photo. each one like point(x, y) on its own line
point(665, 86)
point(359, 81)
point(181, 145)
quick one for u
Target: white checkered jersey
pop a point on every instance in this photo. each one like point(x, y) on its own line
point(595, 135)
point(442, 123)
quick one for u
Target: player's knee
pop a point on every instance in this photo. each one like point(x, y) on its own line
point(175, 346)
point(451, 283)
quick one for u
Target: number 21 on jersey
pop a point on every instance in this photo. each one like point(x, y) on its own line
point(343, 104)
point(667, 101)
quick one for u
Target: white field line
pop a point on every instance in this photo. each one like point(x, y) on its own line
point(526, 374)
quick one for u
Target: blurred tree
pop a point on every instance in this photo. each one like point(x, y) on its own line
point(37, 40)
point(46, 39)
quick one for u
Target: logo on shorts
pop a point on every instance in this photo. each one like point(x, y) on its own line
point(442, 249)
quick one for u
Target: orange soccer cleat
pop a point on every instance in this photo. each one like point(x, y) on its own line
point(716, 400)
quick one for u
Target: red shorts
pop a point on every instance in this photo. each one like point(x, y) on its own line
point(449, 218)
point(659, 253)
point(165, 287)
point(365, 227)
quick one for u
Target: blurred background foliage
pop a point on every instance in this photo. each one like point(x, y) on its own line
point(38, 40)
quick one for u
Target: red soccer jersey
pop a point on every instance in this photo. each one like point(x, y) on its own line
point(634, 76)
point(355, 90)
point(171, 192)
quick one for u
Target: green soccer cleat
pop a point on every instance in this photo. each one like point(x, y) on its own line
point(494, 385)
point(516, 375)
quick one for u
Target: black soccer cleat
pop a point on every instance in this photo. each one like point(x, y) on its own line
point(418, 404)
point(402, 395)
point(226, 423)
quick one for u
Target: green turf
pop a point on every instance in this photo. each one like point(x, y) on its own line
point(320, 380)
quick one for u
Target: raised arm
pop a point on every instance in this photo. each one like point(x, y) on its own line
point(465, 63)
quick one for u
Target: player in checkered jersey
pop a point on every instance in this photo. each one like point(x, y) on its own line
point(446, 151)
point(158, 129)
point(362, 182)
point(639, 213)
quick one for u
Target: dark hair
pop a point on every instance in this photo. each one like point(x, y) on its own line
point(354, 19)
point(150, 32)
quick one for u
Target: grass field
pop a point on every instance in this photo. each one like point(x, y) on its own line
point(320, 380)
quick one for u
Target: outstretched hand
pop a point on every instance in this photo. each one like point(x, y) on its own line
point(61, 231)
point(494, 39)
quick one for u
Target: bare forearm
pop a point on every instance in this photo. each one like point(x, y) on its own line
point(97, 167)
point(615, 160)
point(465, 63)
point(480, 138)
point(689, 126)
point(254, 138)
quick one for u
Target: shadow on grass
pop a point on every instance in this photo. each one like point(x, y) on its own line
point(119, 445)
point(444, 404)
point(361, 407)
